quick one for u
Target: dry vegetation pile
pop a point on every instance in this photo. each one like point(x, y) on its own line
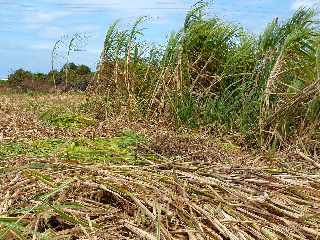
point(98, 182)
point(163, 200)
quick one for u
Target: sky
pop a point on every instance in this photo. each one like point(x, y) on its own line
point(29, 28)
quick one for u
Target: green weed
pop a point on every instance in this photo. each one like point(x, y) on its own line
point(120, 149)
point(45, 148)
point(103, 150)
point(66, 119)
point(10, 149)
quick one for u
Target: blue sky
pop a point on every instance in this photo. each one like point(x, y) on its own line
point(29, 28)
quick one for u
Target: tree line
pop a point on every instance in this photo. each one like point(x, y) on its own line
point(70, 77)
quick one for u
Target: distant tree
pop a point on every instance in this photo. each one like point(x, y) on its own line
point(39, 76)
point(70, 67)
point(56, 77)
point(83, 70)
point(76, 44)
point(17, 78)
point(51, 74)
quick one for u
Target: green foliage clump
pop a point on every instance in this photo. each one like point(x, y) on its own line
point(10, 149)
point(46, 147)
point(66, 119)
point(120, 149)
point(37, 148)
point(3, 83)
point(17, 78)
point(78, 77)
point(74, 76)
point(102, 150)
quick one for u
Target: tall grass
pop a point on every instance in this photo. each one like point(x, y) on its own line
point(212, 73)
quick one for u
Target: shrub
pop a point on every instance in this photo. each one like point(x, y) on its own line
point(18, 78)
point(79, 76)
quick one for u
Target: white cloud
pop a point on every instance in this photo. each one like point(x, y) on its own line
point(52, 32)
point(41, 17)
point(127, 10)
point(136, 4)
point(43, 22)
point(124, 8)
point(41, 46)
point(47, 24)
point(305, 3)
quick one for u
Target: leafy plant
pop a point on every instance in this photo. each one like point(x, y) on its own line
point(67, 119)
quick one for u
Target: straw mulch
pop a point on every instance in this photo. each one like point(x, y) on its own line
point(191, 189)
point(170, 199)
